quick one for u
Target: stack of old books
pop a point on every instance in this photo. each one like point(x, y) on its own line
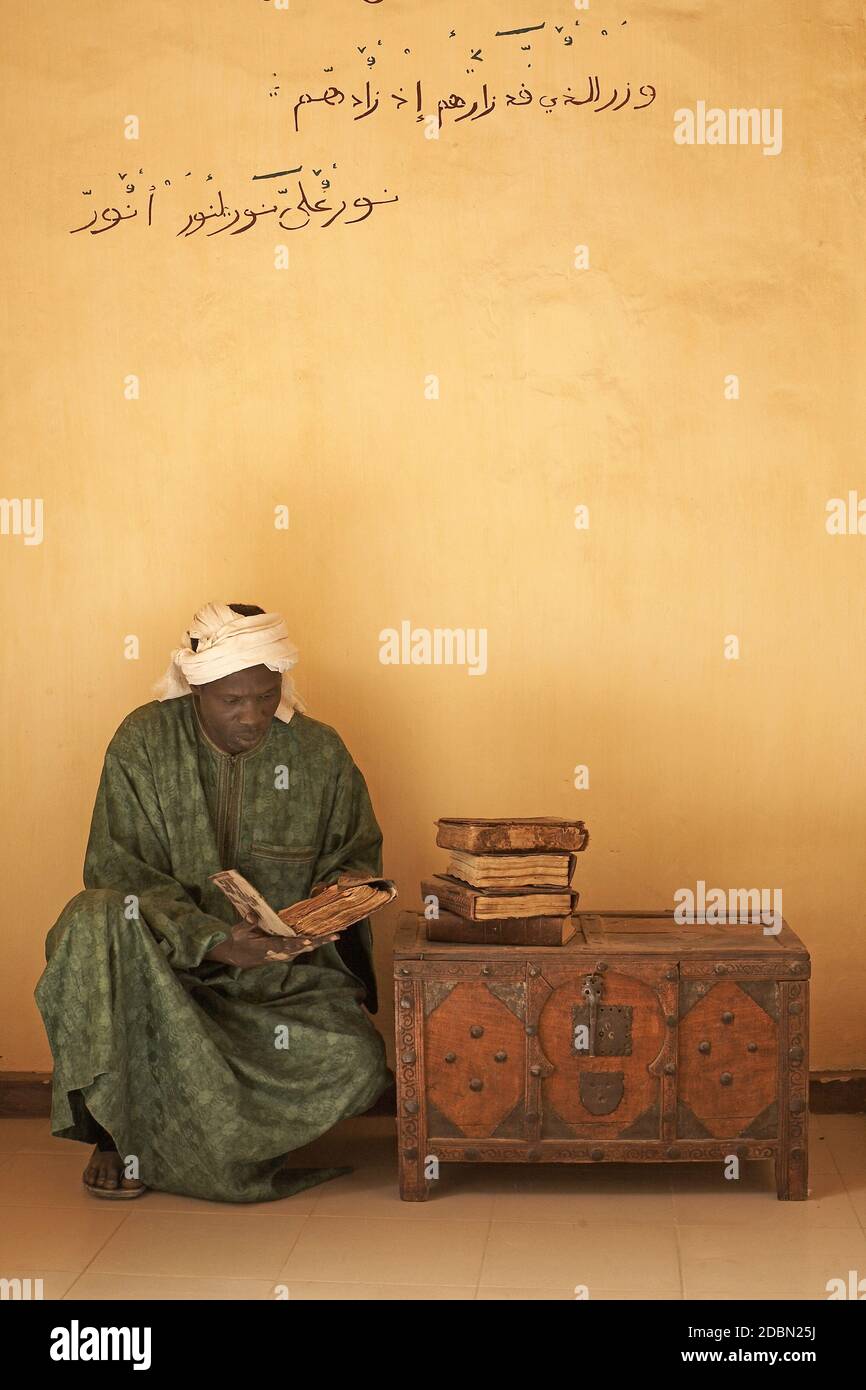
point(508, 882)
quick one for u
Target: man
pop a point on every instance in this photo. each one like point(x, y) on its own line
point(177, 1041)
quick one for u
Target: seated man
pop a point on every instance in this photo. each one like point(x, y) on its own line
point(175, 1041)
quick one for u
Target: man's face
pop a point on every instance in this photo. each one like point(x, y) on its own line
point(236, 711)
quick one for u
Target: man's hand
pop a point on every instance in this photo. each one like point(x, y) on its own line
point(249, 946)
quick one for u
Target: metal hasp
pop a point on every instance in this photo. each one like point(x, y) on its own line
point(608, 1026)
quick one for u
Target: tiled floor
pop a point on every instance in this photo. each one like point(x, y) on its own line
point(487, 1232)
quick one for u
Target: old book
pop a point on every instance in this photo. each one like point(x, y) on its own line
point(494, 836)
point(245, 899)
point(483, 905)
point(337, 907)
point(502, 931)
point(511, 871)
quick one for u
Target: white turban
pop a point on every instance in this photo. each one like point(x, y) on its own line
point(227, 642)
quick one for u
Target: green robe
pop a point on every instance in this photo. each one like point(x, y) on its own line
point(210, 1075)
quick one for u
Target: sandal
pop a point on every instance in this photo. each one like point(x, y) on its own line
point(117, 1194)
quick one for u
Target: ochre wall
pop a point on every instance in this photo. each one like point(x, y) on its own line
point(558, 387)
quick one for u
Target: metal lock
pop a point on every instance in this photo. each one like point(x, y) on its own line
point(606, 1029)
point(608, 1026)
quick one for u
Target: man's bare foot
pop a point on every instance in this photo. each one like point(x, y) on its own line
point(105, 1172)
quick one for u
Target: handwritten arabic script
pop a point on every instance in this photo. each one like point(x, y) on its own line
point(432, 111)
point(293, 210)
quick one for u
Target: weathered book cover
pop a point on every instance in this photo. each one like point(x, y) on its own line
point(492, 836)
point(503, 931)
point(247, 901)
point(482, 904)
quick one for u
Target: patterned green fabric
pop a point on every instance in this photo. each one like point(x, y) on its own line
point(178, 1057)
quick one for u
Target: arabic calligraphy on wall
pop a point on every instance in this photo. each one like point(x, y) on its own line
point(292, 209)
point(433, 111)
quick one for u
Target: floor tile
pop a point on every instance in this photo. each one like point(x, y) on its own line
point(56, 1237)
point(495, 1232)
point(460, 1192)
point(787, 1296)
point(45, 1180)
point(571, 1255)
point(309, 1291)
point(171, 1203)
point(735, 1262)
point(338, 1249)
point(130, 1288)
point(568, 1193)
point(820, 1155)
point(254, 1246)
point(492, 1295)
point(854, 1178)
point(845, 1136)
point(851, 1167)
point(592, 1177)
point(54, 1180)
point(847, 1144)
point(703, 1196)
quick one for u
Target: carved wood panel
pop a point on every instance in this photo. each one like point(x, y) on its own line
point(475, 1052)
point(728, 1062)
point(577, 1091)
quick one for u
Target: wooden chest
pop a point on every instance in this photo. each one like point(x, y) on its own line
point(638, 1040)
